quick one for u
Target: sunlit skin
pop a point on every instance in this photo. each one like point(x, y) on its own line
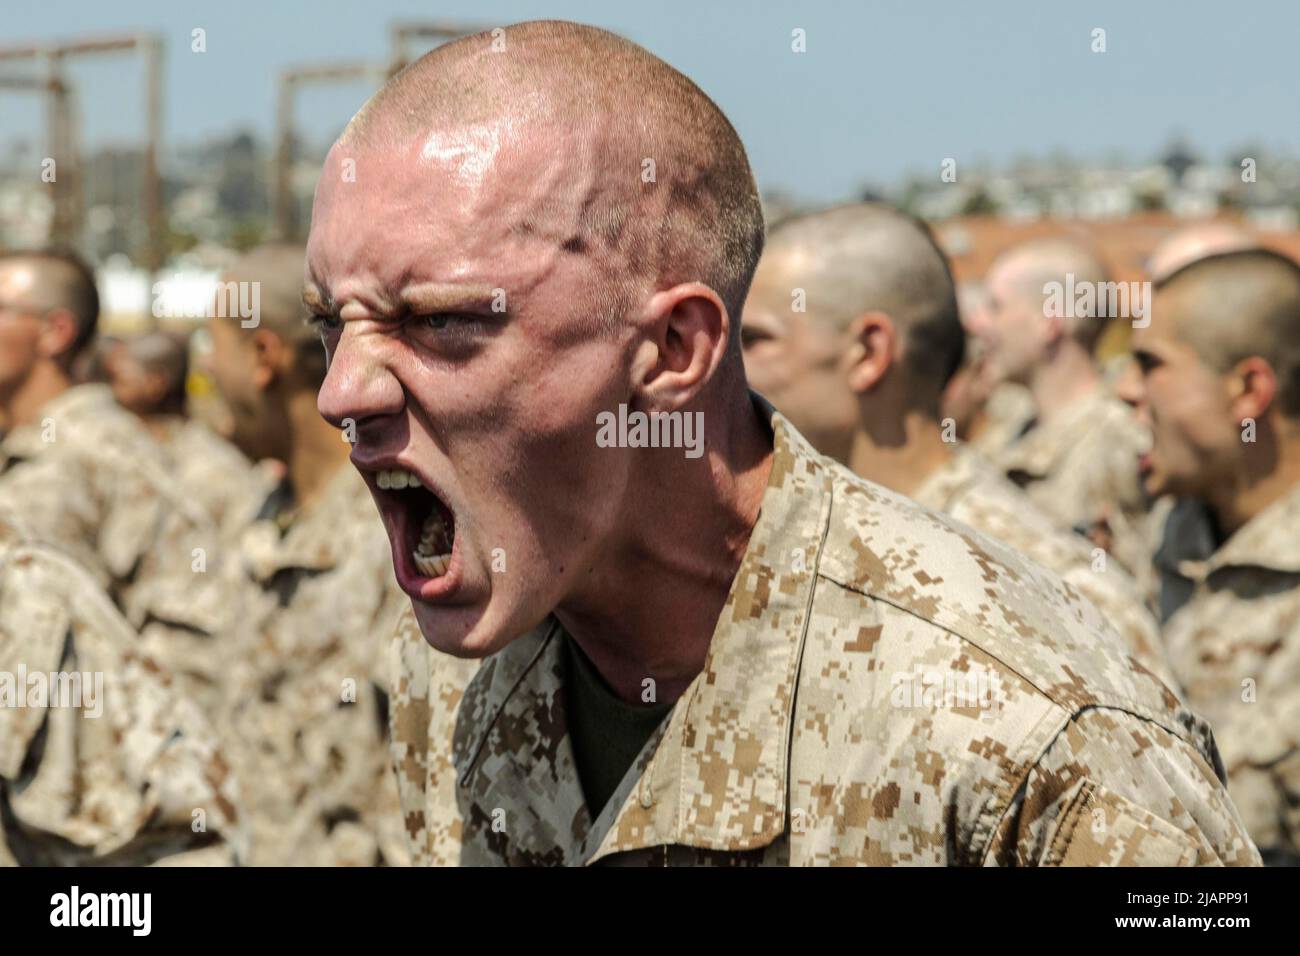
point(800, 364)
point(841, 384)
point(1195, 413)
point(1027, 346)
point(496, 411)
point(1013, 326)
point(273, 407)
point(32, 340)
point(243, 375)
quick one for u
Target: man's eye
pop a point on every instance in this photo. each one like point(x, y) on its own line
point(442, 320)
point(327, 323)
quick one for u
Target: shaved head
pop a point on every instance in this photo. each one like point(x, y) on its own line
point(48, 280)
point(1234, 305)
point(1196, 242)
point(524, 231)
point(277, 267)
point(1025, 270)
point(165, 356)
point(870, 257)
point(658, 190)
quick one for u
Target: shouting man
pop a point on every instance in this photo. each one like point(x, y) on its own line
point(747, 656)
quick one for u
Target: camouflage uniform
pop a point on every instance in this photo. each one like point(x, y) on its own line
point(1009, 410)
point(1082, 470)
point(214, 473)
point(143, 781)
point(971, 490)
point(427, 689)
point(810, 737)
point(1235, 646)
point(89, 477)
point(304, 715)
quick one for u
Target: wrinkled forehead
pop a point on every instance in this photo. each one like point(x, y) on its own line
point(451, 203)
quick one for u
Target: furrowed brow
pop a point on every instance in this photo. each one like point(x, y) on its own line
point(314, 300)
point(430, 298)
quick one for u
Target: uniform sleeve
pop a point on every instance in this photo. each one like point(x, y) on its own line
point(427, 691)
point(58, 503)
point(1261, 745)
point(121, 771)
point(1113, 789)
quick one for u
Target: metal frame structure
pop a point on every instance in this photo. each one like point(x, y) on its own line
point(284, 216)
point(62, 134)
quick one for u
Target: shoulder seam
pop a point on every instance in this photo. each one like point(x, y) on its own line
point(1106, 700)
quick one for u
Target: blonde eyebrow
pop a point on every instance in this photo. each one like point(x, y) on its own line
point(433, 297)
point(312, 298)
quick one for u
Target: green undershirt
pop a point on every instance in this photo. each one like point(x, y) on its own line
point(607, 734)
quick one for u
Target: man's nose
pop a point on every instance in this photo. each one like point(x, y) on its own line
point(1131, 389)
point(1129, 384)
point(358, 384)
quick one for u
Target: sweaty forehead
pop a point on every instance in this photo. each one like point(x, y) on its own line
point(469, 202)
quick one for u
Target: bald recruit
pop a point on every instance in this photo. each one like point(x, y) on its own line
point(56, 281)
point(275, 271)
point(869, 257)
point(1032, 266)
point(165, 356)
point(1196, 242)
point(665, 193)
point(1235, 305)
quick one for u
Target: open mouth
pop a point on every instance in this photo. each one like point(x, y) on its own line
point(424, 528)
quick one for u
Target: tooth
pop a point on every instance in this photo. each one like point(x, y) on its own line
point(382, 480)
point(413, 480)
point(397, 480)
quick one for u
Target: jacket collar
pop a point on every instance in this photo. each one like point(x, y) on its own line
point(946, 485)
point(714, 775)
point(1267, 540)
point(1039, 451)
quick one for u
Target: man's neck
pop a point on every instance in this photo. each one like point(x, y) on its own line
point(1068, 377)
point(316, 450)
point(45, 383)
point(650, 610)
point(902, 457)
point(1266, 476)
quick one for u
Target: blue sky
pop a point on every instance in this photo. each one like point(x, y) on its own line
point(885, 88)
